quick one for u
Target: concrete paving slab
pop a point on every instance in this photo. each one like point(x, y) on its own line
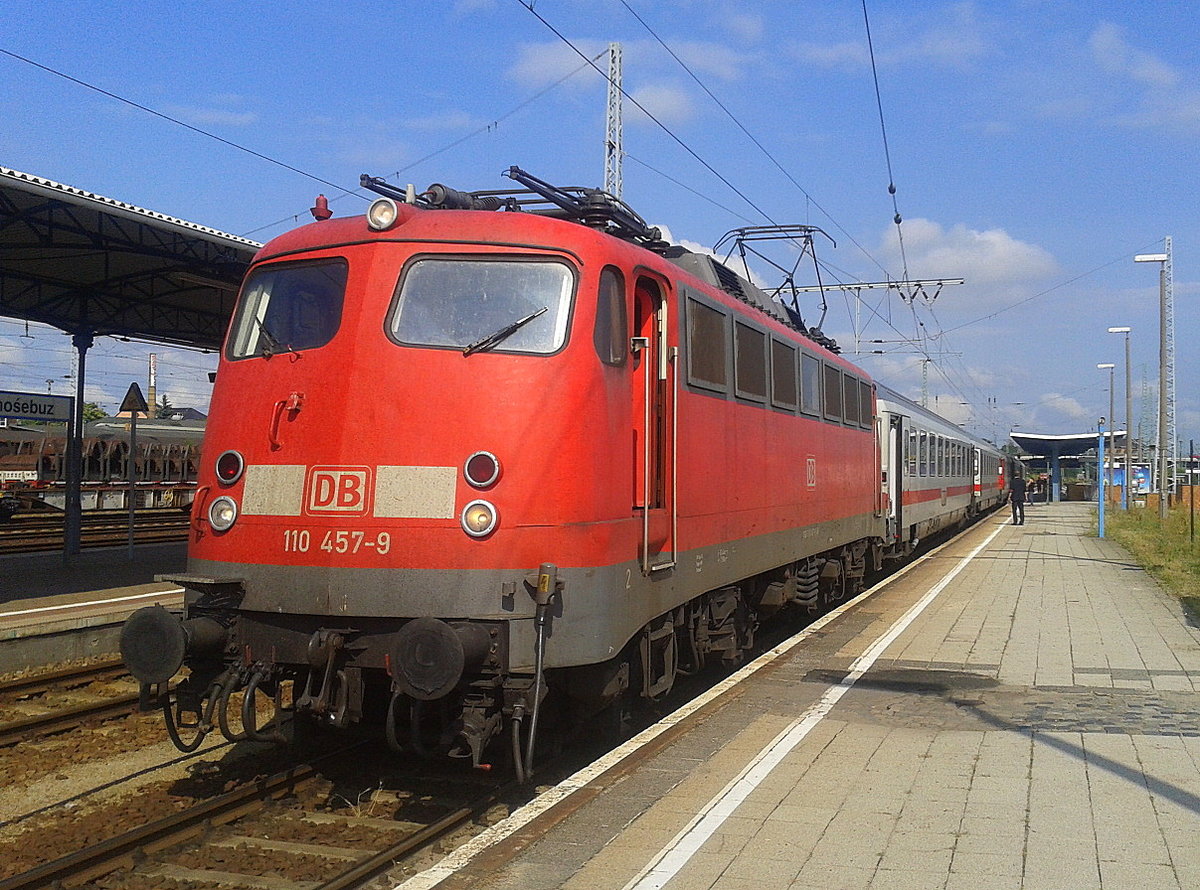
point(1037, 725)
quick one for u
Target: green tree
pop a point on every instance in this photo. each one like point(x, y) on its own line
point(164, 406)
point(92, 411)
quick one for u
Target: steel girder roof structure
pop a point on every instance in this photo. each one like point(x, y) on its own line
point(92, 265)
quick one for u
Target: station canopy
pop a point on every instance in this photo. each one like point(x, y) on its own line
point(1045, 444)
point(91, 266)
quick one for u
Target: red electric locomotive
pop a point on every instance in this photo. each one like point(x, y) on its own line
point(474, 451)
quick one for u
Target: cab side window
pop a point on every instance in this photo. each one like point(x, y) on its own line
point(611, 334)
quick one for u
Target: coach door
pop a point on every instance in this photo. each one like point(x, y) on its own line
point(653, 426)
point(976, 479)
point(897, 461)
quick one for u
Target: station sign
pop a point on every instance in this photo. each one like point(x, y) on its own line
point(32, 406)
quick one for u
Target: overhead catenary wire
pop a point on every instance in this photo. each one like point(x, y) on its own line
point(174, 120)
point(809, 199)
point(529, 5)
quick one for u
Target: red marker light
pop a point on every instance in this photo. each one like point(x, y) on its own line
point(320, 210)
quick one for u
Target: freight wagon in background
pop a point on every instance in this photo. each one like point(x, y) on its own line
point(33, 465)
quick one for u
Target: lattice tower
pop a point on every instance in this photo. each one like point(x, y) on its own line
point(612, 140)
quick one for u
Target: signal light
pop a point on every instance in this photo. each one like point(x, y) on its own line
point(229, 467)
point(482, 469)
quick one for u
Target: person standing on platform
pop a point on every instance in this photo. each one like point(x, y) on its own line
point(1016, 494)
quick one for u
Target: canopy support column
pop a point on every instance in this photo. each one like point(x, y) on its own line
point(82, 340)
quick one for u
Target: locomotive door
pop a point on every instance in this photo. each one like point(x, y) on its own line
point(653, 426)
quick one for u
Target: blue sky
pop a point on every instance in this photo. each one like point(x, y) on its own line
point(1035, 148)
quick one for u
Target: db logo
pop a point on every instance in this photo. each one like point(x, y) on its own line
point(339, 490)
point(811, 467)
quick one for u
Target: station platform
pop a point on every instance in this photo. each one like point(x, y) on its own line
point(1019, 709)
point(51, 612)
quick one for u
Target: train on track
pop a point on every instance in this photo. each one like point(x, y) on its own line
point(33, 466)
point(480, 459)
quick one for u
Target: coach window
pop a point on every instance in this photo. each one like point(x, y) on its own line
point(750, 362)
point(476, 304)
point(865, 416)
point(850, 399)
point(707, 363)
point(783, 376)
point(287, 308)
point(924, 453)
point(912, 453)
point(833, 393)
point(810, 384)
point(941, 456)
point(611, 334)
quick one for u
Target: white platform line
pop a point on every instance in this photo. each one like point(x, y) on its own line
point(116, 599)
point(675, 855)
point(521, 817)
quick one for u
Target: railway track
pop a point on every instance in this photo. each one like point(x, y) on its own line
point(34, 533)
point(20, 691)
point(242, 828)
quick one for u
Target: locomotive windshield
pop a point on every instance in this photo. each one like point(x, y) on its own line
point(286, 308)
point(465, 303)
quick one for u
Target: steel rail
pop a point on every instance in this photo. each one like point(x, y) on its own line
point(67, 718)
point(100, 859)
point(33, 684)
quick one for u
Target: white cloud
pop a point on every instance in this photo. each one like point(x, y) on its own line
point(447, 121)
point(1115, 54)
point(991, 257)
point(220, 117)
point(705, 58)
point(1057, 405)
point(539, 65)
point(744, 26)
point(953, 37)
point(668, 103)
point(1163, 97)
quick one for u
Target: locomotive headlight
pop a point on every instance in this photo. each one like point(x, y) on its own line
point(482, 469)
point(382, 214)
point(222, 513)
point(479, 518)
point(229, 467)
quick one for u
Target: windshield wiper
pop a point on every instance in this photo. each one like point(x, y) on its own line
point(503, 334)
point(271, 343)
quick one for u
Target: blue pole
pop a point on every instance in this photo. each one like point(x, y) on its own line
point(1100, 479)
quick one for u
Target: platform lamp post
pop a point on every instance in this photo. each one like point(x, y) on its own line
point(1163, 484)
point(1128, 422)
point(1100, 481)
point(1108, 475)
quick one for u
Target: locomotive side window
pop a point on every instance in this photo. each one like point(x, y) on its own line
point(706, 329)
point(810, 384)
point(864, 405)
point(750, 362)
point(833, 393)
point(286, 308)
point(850, 399)
point(611, 334)
point(477, 304)
point(783, 376)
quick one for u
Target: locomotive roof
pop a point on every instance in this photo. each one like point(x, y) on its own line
point(526, 229)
